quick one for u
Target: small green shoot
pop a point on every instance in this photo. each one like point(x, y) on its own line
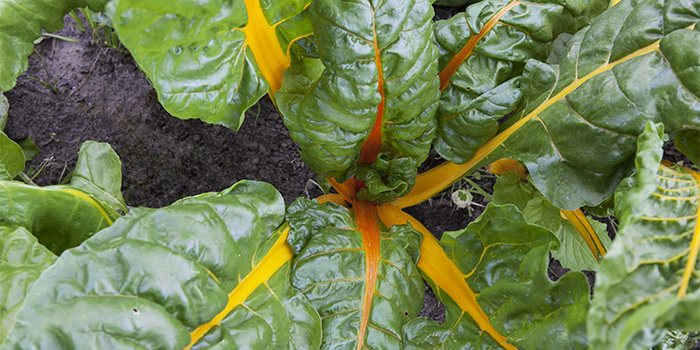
point(60, 37)
point(100, 29)
point(53, 87)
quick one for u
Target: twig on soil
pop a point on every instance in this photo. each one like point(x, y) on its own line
point(89, 73)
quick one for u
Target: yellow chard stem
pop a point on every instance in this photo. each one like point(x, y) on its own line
point(443, 272)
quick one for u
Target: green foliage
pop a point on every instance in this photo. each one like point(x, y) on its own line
point(688, 142)
point(29, 148)
point(11, 158)
point(331, 270)
point(22, 260)
point(60, 217)
point(198, 55)
point(485, 86)
point(504, 261)
point(648, 282)
point(573, 253)
point(629, 61)
point(99, 173)
point(378, 66)
point(22, 23)
point(159, 273)
point(4, 106)
point(369, 87)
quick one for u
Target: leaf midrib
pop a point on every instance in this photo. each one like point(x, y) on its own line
point(448, 172)
point(263, 42)
point(694, 245)
point(468, 48)
point(370, 148)
point(276, 257)
point(368, 224)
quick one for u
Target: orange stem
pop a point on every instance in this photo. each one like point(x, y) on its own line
point(368, 223)
point(370, 149)
point(468, 48)
point(434, 263)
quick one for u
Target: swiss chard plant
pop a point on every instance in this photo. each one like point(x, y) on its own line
point(578, 96)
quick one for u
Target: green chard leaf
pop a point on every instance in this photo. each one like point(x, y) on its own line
point(211, 59)
point(11, 158)
point(577, 126)
point(29, 148)
point(504, 261)
point(21, 22)
point(688, 142)
point(61, 217)
point(648, 283)
point(98, 172)
point(371, 95)
point(22, 260)
point(207, 272)
point(573, 251)
point(482, 54)
point(4, 107)
point(364, 283)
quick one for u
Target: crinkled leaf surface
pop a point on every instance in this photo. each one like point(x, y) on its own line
point(573, 252)
point(577, 126)
point(365, 288)
point(60, 217)
point(373, 90)
point(578, 122)
point(98, 172)
point(210, 59)
point(649, 282)
point(676, 340)
point(22, 260)
point(482, 52)
point(11, 158)
point(504, 261)
point(159, 275)
point(21, 22)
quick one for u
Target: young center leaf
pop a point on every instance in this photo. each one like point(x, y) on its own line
point(370, 98)
point(482, 52)
point(363, 282)
point(98, 172)
point(504, 260)
point(211, 59)
point(207, 272)
point(648, 283)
